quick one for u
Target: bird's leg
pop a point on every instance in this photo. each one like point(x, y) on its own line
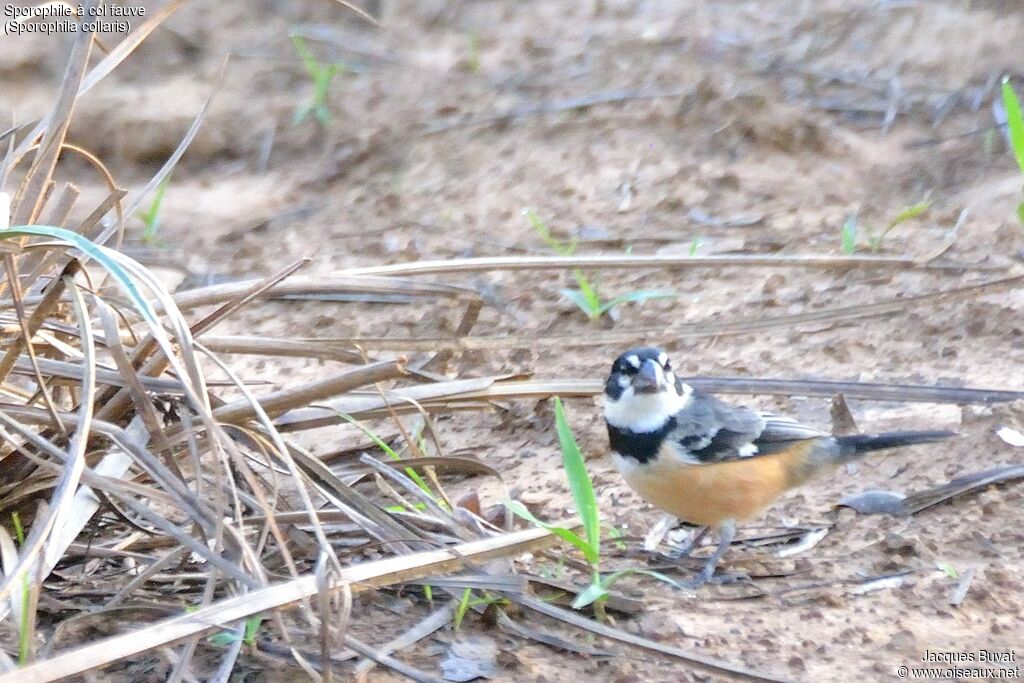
point(726, 534)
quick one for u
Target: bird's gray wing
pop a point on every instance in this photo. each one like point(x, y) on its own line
point(709, 430)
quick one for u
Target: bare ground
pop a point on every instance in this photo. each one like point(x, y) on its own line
point(753, 127)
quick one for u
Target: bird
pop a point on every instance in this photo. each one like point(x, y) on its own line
point(711, 463)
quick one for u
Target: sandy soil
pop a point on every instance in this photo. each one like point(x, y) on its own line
point(770, 123)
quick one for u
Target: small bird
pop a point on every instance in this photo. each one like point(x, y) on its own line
point(710, 463)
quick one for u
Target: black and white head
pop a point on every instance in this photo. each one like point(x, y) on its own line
point(642, 393)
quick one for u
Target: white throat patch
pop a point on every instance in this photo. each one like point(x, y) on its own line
point(645, 412)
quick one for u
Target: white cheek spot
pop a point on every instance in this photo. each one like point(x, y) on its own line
point(624, 381)
point(634, 360)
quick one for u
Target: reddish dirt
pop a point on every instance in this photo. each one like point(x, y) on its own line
point(769, 129)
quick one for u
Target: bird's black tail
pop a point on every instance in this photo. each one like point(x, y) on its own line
point(865, 443)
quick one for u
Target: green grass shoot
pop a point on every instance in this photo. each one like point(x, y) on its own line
point(461, 609)
point(1015, 125)
point(19, 530)
point(849, 235)
point(24, 642)
point(468, 602)
point(151, 216)
point(381, 444)
point(321, 74)
point(586, 297)
point(905, 214)
point(252, 627)
point(586, 505)
point(473, 52)
point(589, 544)
point(849, 232)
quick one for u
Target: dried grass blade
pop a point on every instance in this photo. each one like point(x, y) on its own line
point(11, 267)
point(361, 577)
point(52, 531)
point(251, 294)
point(127, 46)
point(323, 349)
point(326, 284)
point(494, 263)
point(279, 402)
point(135, 201)
point(358, 406)
point(53, 128)
point(437, 619)
point(717, 666)
point(39, 315)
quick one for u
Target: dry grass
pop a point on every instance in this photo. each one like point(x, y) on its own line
point(111, 500)
point(204, 511)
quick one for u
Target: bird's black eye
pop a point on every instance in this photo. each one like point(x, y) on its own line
point(627, 369)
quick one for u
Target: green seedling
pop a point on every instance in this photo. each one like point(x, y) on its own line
point(906, 213)
point(461, 609)
point(151, 216)
point(24, 636)
point(225, 638)
point(473, 52)
point(950, 571)
point(19, 530)
point(694, 246)
point(1015, 125)
point(586, 297)
point(381, 444)
point(468, 602)
point(596, 593)
point(321, 74)
point(850, 235)
point(26, 597)
point(851, 227)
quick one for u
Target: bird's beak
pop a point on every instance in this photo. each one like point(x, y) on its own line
point(647, 380)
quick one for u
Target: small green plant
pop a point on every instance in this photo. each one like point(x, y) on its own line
point(596, 593)
point(26, 598)
point(851, 226)
point(905, 214)
point(151, 216)
point(850, 235)
point(586, 297)
point(694, 246)
point(321, 74)
point(225, 638)
point(473, 52)
point(468, 602)
point(1015, 125)
point(949, 570)
point(19, 530)
point(24, 635)
point(381, 444)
